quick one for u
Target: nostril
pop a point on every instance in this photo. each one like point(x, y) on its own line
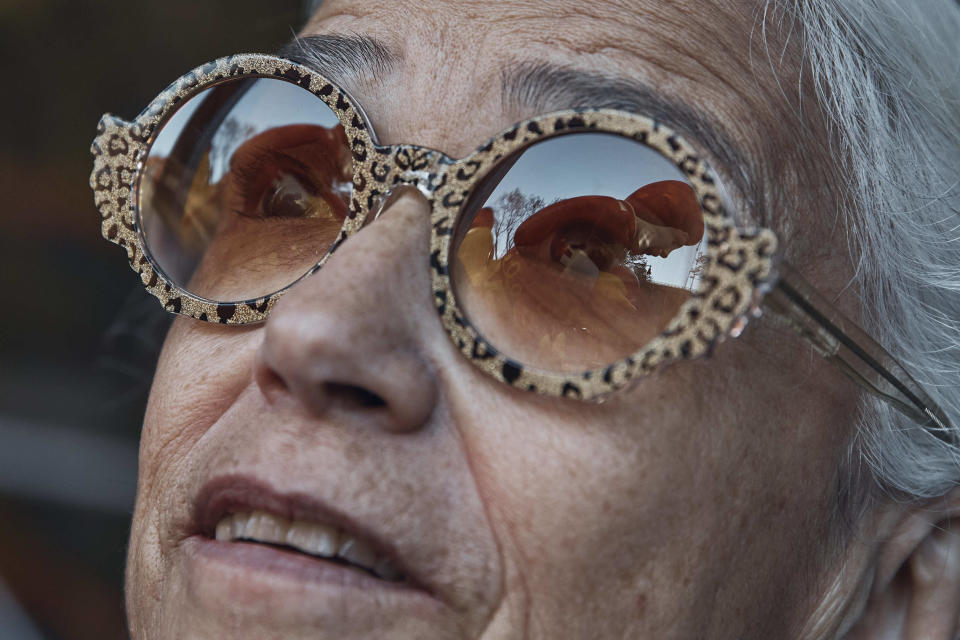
point(269, 381)
point(357, 396)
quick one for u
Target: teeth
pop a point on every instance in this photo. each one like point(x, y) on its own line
point(309, 537)
point(239, 528)
point(266, 527)
point(317, 539)
point(225, 528)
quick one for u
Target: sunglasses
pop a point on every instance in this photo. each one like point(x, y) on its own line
point(570, 255)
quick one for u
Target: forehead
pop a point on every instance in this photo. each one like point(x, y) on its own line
point(452, 59)
point(595, 33)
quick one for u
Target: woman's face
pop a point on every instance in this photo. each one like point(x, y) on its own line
point(698, 504)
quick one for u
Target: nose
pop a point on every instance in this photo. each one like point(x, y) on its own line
point(354, 336)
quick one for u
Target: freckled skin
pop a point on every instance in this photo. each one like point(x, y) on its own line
point(695, 505)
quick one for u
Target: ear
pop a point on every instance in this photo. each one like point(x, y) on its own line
point(916, 586)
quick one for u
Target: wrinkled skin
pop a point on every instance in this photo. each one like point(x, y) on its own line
point(698, 504)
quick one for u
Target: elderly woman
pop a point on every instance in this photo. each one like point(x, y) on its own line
point(443, 375)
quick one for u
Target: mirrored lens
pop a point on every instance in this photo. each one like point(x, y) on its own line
point(578, 251)
point(245, 188)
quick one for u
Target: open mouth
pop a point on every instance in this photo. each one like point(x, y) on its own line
point(310, 538)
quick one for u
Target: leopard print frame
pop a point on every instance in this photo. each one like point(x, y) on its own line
point(120, 149)
point(738, 267)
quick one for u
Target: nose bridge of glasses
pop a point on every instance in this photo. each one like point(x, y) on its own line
point(407, 165)
point(387, 199)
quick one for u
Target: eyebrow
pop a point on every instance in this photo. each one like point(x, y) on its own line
point(342, 57)
point(546, 87)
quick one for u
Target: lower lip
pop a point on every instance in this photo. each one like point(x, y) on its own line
point(268, 582)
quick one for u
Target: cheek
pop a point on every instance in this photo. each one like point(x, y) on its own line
point(202, 369)
point(584, 500)
point(656, 506)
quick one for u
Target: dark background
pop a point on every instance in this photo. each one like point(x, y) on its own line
point(78, 337)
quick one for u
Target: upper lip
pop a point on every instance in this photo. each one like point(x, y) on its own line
point(223, 495)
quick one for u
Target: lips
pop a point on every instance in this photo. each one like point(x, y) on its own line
point(237, 509)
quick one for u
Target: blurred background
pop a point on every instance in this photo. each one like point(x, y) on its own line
point(78, 336)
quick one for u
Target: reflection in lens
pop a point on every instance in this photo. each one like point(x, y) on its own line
point(245, 188)
point(581, 254)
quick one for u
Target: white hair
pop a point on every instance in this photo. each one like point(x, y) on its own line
point(887, 75)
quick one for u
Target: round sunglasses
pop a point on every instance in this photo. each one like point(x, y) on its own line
point(570, 255)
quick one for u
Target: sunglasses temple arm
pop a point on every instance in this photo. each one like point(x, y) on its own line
point(843, 343)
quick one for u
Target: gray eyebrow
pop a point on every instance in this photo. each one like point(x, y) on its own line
point(546, 87)
point(543, 87)
point(342, 57)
